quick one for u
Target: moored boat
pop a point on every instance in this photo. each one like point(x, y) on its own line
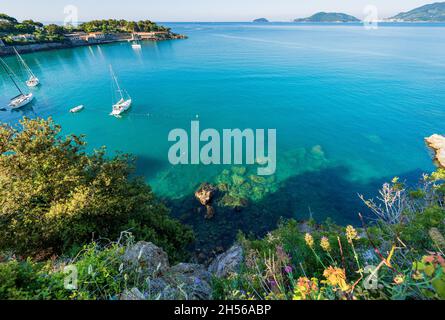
point(124, 103)
point(23, 98)
point(77, 109)
point(32, 81)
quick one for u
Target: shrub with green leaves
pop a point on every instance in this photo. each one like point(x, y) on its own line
point(55, 197)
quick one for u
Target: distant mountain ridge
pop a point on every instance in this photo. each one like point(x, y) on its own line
point(329, 17)
point(434, 12)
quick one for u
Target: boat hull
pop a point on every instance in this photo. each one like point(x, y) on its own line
point(33, 82)
point(121, 107)
point(77, 109)
point(21, 101)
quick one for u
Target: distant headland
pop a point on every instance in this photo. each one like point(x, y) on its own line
point(428, 13)
point(31, 36)
point(434, 12)
point(261, 20)
point(329, 17)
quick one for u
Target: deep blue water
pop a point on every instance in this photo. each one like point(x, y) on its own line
point(351, 107)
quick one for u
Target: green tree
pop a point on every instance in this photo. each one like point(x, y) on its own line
point(55, 197)
point(54, 30)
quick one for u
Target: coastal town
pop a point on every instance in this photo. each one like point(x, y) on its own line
point(30, 36)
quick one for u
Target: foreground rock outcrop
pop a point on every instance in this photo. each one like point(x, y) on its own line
point(228, 262)
point(437, 143)
point(184, 281)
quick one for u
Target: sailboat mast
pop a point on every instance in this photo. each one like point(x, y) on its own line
point(117, 82)
point(28, 69)
point(6, 68)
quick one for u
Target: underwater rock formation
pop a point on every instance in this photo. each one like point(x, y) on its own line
point(205, 195)
point(437, 143)
point(228, 262)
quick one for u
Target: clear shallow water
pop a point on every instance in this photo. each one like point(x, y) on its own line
point(351, 108)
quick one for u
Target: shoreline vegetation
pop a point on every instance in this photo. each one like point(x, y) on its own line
point(60, 210)
point(31, 36)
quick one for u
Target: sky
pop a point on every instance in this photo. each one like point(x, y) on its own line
point(198, 10)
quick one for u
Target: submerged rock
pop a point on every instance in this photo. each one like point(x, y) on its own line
point(241, 171)
point(210, 212)
point(232, 201)
point(437, 143)
point(228, 262)
point(205, 194)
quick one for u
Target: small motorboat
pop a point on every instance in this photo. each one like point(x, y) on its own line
point(77, 109)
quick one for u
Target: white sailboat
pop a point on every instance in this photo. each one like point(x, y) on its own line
point(136, 45)
point(32, 81)
point(135, 42)
point(22, 99)
point(124, 103)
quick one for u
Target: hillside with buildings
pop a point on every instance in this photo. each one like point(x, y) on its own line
point(29, 36)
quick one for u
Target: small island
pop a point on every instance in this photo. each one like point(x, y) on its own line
point(331, 17)
point(31, 36)
point(434, 12)
point(261, 20)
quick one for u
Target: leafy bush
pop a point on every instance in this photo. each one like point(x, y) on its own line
point(53, 196)
point(400, 256)
point(28, 280)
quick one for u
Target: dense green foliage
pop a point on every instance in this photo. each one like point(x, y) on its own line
point(9, 27)
point(96, 273)
point(54, 197)
point(113, 26)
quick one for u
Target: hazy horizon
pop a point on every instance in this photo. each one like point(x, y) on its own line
point(201, 10)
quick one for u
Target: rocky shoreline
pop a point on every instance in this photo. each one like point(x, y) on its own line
point(437, 144)
point(37, 47)
point(167, 282)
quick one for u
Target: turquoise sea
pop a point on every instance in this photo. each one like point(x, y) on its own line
point(351, 107)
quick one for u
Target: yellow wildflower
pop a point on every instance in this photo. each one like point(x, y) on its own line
point(305, 288)
point(351, 234)
point(325, 245)
point(309, 240)
point(336, 277)
point(400, 279)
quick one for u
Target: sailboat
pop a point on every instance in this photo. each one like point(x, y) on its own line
point(22, 99)
point(33, 81)
point(135, 42)
point(136, 45)
point(124, 103)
